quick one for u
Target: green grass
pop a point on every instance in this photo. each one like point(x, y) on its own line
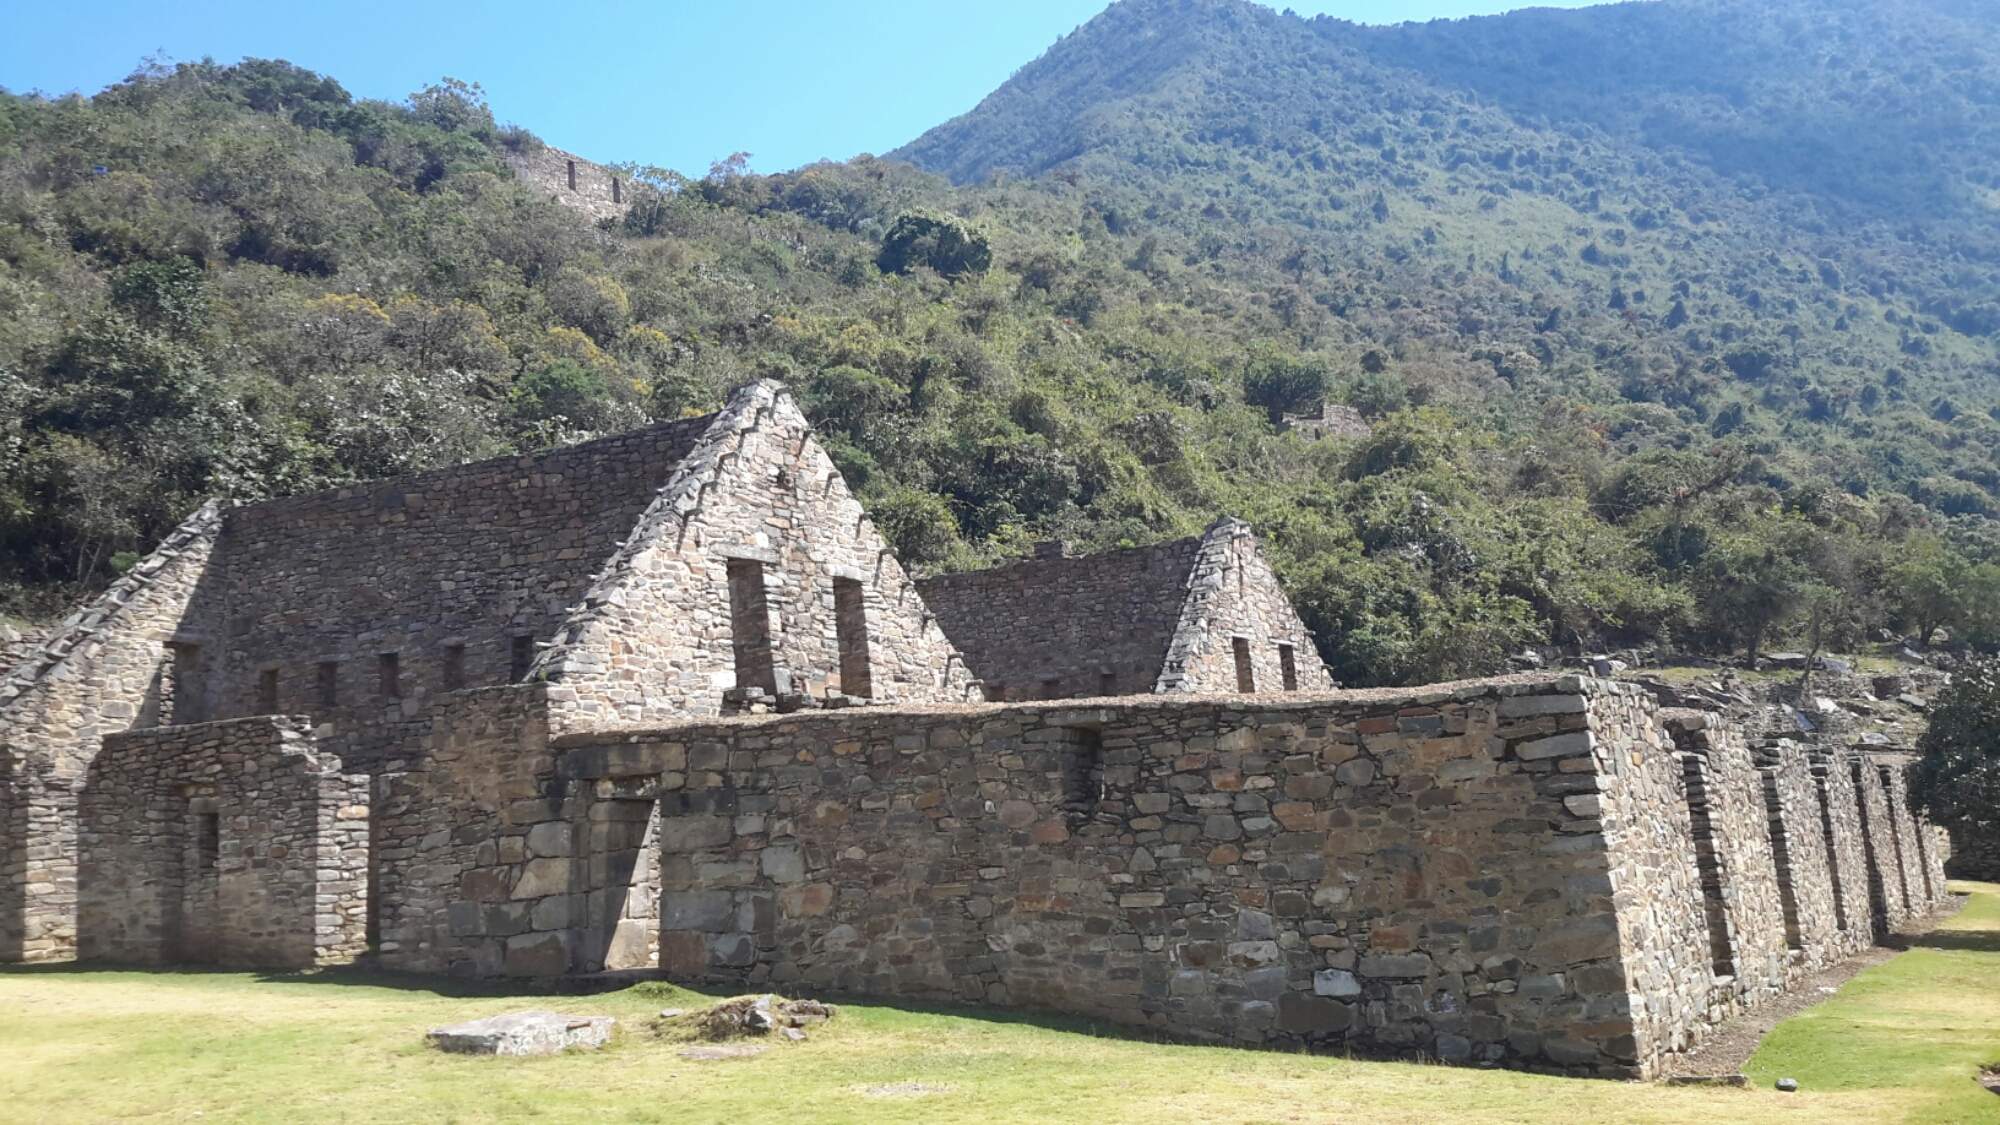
point(1921, 1024)
point(1900, 1043)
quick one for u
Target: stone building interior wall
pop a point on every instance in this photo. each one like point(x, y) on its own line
point(231, 843)
point(1067, 628)
point(359, 605)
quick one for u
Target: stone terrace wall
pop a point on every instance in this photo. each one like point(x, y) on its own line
point(1233, 594)
point(485, 556)
point(102, 671)
point(1066, 628)
point(656, 636)
point(1732, 839)
point(1475, 872)
point(279, 877)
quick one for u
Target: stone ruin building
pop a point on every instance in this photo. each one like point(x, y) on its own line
point(597, 191)
point(667, 701)
point(1204, 614)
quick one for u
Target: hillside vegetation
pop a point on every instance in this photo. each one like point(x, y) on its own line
point(1633, 376)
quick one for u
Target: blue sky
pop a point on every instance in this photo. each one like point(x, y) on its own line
point(678, 83)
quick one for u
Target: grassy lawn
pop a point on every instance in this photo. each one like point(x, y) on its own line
point(1899, 1043)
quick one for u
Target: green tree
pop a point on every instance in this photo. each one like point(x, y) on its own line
point(1956, 781)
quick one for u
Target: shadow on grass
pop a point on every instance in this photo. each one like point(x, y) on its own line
point(1974, 941)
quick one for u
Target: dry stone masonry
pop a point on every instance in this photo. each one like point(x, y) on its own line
point(667, 700)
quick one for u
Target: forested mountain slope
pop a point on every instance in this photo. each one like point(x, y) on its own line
point(1616, 397)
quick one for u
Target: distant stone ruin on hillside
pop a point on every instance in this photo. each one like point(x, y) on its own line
point(569, 179)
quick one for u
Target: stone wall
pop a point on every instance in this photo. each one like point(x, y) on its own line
point(459, 575)
point(1846, 850)
point(1465, 873)
point(231, 843)
point(1067, 628)
point(1890, 908)
point(1167, 618)
point(452, 840)
point(657, 635)
point(1743, 904)
point(1797, 829)
point(103, 670)
point(597, 191)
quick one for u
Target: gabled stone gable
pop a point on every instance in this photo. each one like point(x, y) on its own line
point(656, 636)
point(102, 671)
point(1234, 596)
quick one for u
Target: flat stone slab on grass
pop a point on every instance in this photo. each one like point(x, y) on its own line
point(523, 1033)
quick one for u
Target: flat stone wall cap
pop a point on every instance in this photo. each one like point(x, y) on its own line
point(523, 1033)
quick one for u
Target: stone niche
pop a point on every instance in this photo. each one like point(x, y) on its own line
point(231, 843)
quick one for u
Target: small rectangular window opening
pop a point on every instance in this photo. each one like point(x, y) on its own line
point(850, 627)
point(392, 675)
point(1082, 774)
point(572, 174)
point(267, 692)
point(1288, 666)
point(1051, 688)
point(520, 658)
point(617, 195)
point(184, 698)
point(1107, 683)
point(453, 675)
point(750, 626)
point(207, 840)
point(329, 683)
point(1246, 677)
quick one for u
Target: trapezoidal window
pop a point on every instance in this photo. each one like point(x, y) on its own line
point(750, 626)
point(1288, 666)
point(1246, 677)
point(267, 692)
point(850, 628)
point(185, 691)
point(1082, 773)
point(452, 675)
point(207, 841)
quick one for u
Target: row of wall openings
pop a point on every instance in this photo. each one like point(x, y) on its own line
point(1246, 672)
point(389, 675)
point(751, 643)
point(617, 192)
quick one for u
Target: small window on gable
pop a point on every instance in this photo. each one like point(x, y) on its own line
point(207, 840)
point(520, 658)
point(329, 683)
point(185, 697)
point(1288, 666)
point(453, 673)
point(1107, 683)
point(390, 667)
point(572, 174)
point(1246, 677)
point(750, 625)
point(267, 692)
